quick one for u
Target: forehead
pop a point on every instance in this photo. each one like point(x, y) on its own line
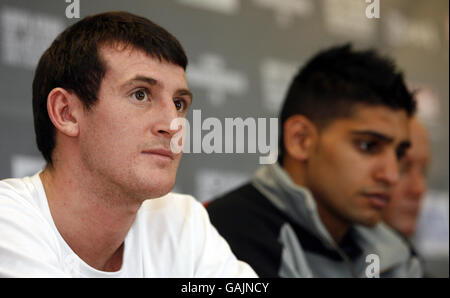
point(125, 62)
point(376, 119)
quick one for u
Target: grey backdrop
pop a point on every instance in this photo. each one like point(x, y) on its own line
point(242, 55)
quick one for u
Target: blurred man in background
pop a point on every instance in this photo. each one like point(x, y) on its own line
point(403, 209)
point(317, 212)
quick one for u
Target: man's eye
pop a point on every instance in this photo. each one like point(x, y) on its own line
point(180, 104)
point(140, 95)
point(401, 152)
point(368, 146)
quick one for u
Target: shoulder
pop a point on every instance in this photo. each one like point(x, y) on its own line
point(23, 200)
point(247, 206)
point(28, 244)
point(21, 196)
point(15, 188)
point(243, 195)
point(178, 229)
point(395, 253)
point(384, 240)
point(251, 224)
point(244, 199)
point(173, 204)
point(174, 211)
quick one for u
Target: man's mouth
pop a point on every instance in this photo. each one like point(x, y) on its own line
point(378, 200)
point(160, 152)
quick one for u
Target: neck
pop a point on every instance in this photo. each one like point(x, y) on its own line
point(335, 225)
point(93, 220)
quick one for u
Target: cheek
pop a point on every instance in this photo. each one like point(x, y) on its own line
point(343, 166)
point(343, 174)
point(107, 140)
point(394, 208)
point(400, 189)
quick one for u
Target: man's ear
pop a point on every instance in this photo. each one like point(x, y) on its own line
point(300, 136)
point(64, 110)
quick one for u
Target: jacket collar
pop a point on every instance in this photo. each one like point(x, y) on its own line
point(294, 200)
point(298, 204)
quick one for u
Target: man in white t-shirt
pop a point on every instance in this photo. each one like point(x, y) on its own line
point(104, 96)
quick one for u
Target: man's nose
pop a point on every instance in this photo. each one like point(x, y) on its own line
point(165, 114)
point(389, 172)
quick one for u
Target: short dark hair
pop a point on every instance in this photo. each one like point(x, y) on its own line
point(335, 80)
point(73, 62)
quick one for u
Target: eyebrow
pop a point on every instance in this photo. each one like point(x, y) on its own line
point(185, 92)
point(374, 134)
point(144, 79)
point(403, 145)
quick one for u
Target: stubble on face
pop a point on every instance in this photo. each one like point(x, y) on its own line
point(118, 129)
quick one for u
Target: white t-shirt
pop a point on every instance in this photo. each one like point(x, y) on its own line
point(171, 237)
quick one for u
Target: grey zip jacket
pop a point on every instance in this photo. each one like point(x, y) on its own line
point(273, 224)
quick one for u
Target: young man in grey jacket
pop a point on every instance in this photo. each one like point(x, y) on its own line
point(316, 212)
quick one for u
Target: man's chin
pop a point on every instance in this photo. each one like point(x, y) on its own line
point(161, 190)
point(370, 221)
point(153, 193)
point(152, 190)
point(161, 193)
point(153, 184)
point(368, 218)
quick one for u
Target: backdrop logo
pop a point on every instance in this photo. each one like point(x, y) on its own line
point(286, 10)
point(221, 6)
point(275, 78)
point(402, 31)
point(347, 18)
point(211, 74)
point(26, 36)
point(373, 267)
point(73, 10)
